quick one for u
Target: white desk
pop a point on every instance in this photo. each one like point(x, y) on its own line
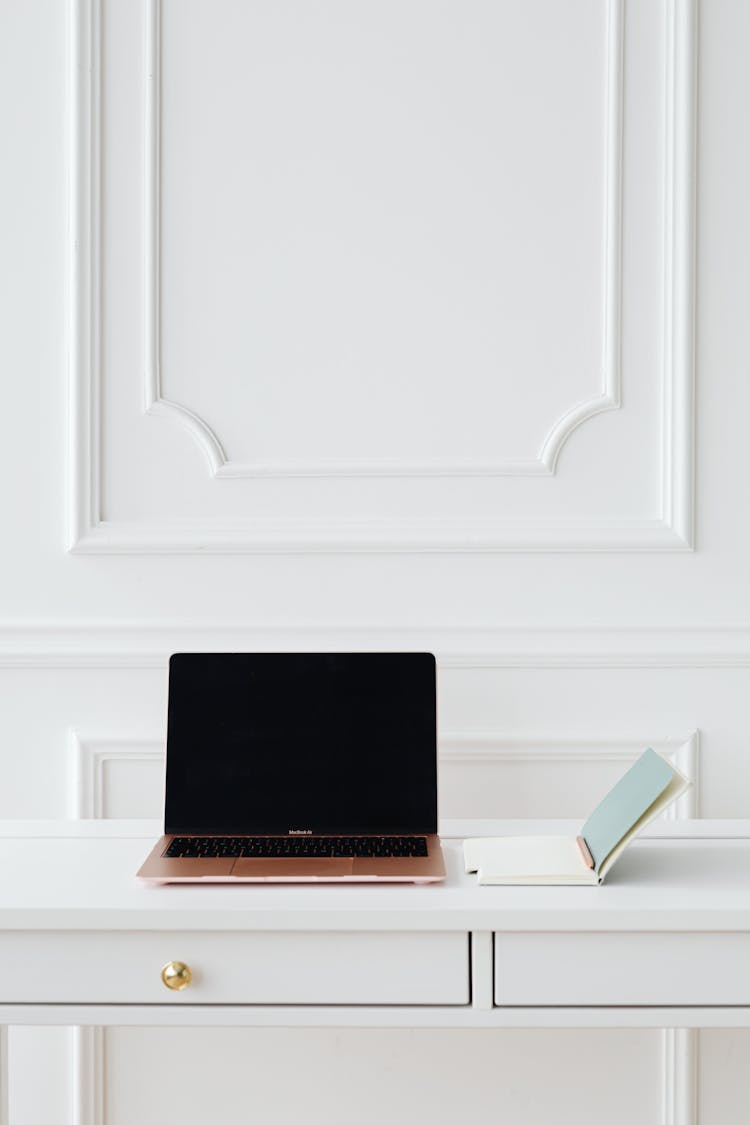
point(664, 943)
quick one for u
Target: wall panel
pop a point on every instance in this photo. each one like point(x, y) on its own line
point(528, 726)
point(723, 1080)
point(386, 1075)
point(275, 307)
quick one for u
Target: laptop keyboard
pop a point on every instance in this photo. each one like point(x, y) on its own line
point(295, 847)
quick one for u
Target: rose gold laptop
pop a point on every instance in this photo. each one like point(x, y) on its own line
point(300, 767)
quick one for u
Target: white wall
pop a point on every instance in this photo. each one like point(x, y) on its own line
point(422, 274)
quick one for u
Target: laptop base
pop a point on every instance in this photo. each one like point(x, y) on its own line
point(158, 869)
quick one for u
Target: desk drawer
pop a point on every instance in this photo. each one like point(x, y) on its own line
point(236, 968)
point(626, 968)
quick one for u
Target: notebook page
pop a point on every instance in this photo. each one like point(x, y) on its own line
point(625, 804)
point(525, 857)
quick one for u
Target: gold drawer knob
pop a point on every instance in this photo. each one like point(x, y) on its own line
point(176, 975)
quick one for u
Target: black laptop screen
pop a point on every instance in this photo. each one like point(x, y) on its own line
point(294, 742)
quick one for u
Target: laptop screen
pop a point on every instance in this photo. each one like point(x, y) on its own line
point(279, 743)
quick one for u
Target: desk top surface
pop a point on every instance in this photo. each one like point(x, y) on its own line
point(80, 875)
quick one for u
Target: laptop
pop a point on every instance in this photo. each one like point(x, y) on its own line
point(300, 767)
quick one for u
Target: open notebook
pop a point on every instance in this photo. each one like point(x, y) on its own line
point(646, 789)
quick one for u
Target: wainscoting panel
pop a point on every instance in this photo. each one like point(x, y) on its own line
point(340, 296)
point(491, 773)
point(483, 774)
point(372, 1077)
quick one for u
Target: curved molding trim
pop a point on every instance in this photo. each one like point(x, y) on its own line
point(154, 403)
point(196, 427)
point(670, 530)
point(543, 464)
point(610, 396)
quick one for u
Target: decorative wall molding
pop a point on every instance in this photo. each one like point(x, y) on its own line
point(88, 759)
point(670, 530)
point(545, 462)
point(87, 1075)
point(84, 290)
point(678, 341)
point(489, 746)
point(680, 1061)
point(89, 755)
point(679, 1075)
point(114, 645)
point(449, 535)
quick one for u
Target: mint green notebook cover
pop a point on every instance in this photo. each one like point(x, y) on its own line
point(625, 804)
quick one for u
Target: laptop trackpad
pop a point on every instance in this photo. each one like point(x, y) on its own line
point(292, 868)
